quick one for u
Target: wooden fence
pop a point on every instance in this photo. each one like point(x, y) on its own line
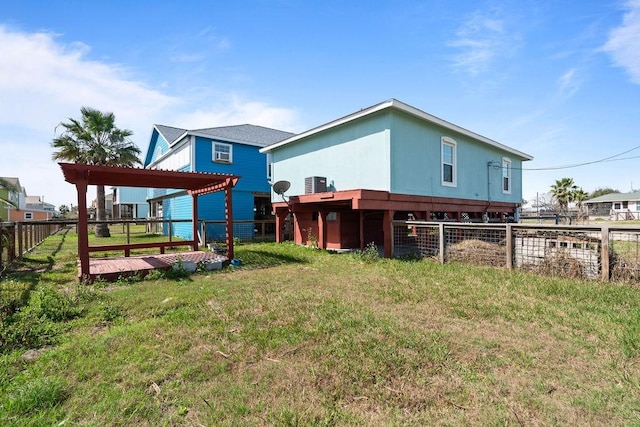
point(588, 252)
point(18, 238)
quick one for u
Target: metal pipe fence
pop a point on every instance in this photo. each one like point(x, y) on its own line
point(610, 253)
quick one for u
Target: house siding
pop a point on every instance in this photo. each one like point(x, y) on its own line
point(354, 155)
point(247, 162)
point(157, 147)
point(416, 163)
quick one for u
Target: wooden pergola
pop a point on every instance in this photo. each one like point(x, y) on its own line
point(195, 183)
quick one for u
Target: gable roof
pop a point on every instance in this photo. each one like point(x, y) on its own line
point(244, 134)
point(615, 197)
point(13, 181)
point(170, 134)
point(400, 106)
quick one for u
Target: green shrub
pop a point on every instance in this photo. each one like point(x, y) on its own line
point(369, 254)
point(13, 295)
point(40, 321)
point(53, 305)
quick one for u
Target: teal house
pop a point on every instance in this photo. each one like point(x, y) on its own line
point(228, 150)
point(129, 203)
point(348, 179)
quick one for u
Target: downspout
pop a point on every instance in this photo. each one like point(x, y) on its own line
point(486, 213)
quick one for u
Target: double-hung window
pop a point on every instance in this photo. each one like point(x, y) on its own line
point(449, 169)
point(222, 153)
point(269, 166)
point(506, 175)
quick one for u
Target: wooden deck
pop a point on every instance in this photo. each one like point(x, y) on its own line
point(111, 269)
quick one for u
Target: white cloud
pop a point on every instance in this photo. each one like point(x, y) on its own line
point(44, 82)
point(569, 83)
point(481, 39)
point(624, 41)
point(234, 110)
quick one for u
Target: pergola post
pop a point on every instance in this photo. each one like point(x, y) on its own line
point(228, 209)
point(83, 228)
point(195, 221)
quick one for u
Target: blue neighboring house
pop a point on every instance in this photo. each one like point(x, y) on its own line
point(228, 150)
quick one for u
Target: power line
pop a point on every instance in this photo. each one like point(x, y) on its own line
point(606, 159)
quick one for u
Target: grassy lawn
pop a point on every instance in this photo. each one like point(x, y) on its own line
point(297, 336)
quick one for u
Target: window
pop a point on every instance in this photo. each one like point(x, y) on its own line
point(506, 175)
point(222, 153)
point(28, 215)
point(448, 162)
point(269, 166)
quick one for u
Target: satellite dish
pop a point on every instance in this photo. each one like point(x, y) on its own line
point(281, 187)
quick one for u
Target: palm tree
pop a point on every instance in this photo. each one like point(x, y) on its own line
point(579, 196)
point(96, 140)
point(563, 191)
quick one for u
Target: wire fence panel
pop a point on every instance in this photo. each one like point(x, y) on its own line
point(567, 253)
point(415, 241)
point(476, 245)
point(584, 252)
point(624, 249)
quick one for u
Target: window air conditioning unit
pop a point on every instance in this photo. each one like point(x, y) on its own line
point(315, 184)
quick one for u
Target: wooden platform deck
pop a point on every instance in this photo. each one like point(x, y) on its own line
point(111, 269)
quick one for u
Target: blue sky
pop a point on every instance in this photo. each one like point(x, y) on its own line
point(557, 80)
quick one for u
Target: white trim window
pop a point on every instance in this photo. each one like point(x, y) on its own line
point(506, 175)
point(448, 162)
point(28, 215)
point(222, 153)
point(269, 166)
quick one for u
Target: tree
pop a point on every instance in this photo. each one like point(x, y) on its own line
point(64, 210)
point(579, 196)
point(563, 191)
point(95, 140)
point(602, 191)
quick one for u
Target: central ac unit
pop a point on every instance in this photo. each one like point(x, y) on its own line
point(315, 184)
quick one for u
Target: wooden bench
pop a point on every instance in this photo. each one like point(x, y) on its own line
point(127, 247)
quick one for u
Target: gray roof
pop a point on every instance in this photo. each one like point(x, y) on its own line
point(401, 106)
point(615, 197)
point(169, 133)
point(13, 181)
point(245, 134)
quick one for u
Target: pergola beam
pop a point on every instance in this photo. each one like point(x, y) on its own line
point(195, 183)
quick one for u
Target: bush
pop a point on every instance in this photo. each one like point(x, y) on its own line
point(38, 323)
point(369, 254)
point(13, 295)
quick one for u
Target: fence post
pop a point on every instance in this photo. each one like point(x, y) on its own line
point(509, 238)
point(604, 253)
point(12, 244)
point(441, 241)
point(20, 241)
point(128, 233)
